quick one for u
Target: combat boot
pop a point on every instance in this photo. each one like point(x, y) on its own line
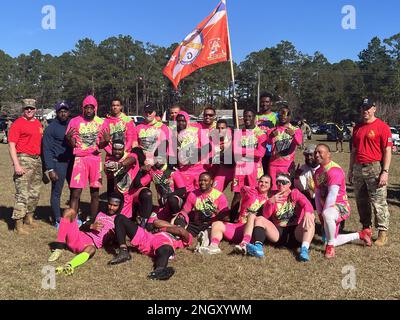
point(29, 221)
point(19, 228)
point(382, 238)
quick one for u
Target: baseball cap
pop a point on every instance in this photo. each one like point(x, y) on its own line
point(310, 149)
point(367, 104)
point(29, 103)
point(61, 105)
point(149, 108)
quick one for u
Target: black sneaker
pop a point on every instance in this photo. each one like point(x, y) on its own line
point(161, 274)
point(123, 256)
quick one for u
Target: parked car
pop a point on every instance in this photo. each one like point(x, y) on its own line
point(314, 128)
point(137, 119)
point(331, 133)
point(395, 136)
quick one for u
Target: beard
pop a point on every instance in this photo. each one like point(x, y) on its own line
point(89, 118)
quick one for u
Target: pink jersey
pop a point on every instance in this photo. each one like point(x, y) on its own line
point(252, 201)
point(120, 128)
point(147, 243)
point(290, 211)
point(249, 149)
point(152, 136)
point(87, 135)
point(208, 205)
point(101, 237)
point(284, 145)
point(329, 175)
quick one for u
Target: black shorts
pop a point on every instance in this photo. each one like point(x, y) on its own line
point(287, 237)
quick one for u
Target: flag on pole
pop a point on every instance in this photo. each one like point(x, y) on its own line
point(207, 44)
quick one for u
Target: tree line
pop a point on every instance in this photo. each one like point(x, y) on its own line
point(122, 67)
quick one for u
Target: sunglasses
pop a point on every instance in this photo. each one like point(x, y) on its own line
point(282, 182)
point(118, 146)
point(30, 108)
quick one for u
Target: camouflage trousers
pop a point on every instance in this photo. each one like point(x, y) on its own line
point(27, 186)
point(370, 199)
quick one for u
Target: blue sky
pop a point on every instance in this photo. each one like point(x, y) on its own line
point(310, 25)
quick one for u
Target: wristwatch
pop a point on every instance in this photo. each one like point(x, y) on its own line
point(385, 170)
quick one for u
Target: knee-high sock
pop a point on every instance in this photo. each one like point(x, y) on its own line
point(79, 259)
point(63, 230)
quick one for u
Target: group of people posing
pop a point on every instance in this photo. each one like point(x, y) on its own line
point(190, 165)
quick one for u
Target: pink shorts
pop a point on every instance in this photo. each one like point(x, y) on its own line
point(223, 176)
point(191, 176)
point(86, 169)
point(77, 240)
point(234, 232)
point(130, 198)
point(148, 243)
point(240, 180)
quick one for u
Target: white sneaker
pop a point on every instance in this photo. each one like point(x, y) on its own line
point(240, 249)
point(202, 240)
point(210, 250)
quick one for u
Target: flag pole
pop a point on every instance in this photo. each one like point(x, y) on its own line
point(235, 106)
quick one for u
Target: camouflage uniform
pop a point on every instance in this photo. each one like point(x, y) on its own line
point(27, 186)
point(370, 199)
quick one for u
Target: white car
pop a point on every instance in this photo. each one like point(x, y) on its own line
point(395, 136)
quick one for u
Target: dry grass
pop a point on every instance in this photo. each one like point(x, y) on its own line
point(225, 276)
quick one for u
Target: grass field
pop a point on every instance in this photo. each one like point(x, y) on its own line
point(225, 276)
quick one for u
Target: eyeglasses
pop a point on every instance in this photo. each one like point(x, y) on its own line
point(282, 182)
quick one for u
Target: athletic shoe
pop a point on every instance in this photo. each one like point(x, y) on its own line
point(365, 235)
point(55, 255)
point(240, 248)
point(66, 269)
point(56, 225)
point(304, 257)
point(202, 240)
point(255, 250)
point(161, 274)
point(123, 256)
point(329, 251)
point(210, 250)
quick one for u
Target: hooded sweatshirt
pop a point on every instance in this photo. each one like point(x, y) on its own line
point(189, 143)
point(88, 133)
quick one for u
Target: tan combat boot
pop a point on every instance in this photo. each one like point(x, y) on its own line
point(19, 228)
point(382, 238)
point(29, 221)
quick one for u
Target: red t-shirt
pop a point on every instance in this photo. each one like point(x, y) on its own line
point(27, 136)
point(370, 140)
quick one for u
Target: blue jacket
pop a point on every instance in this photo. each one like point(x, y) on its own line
point(54, 144)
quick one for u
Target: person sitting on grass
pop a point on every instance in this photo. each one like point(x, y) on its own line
point(252, 200)
point(84, 241)
point(202, 207)
point(160, 245)
point(288, 220)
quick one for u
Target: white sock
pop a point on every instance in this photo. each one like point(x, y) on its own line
point(344, 238)
point(305, 244)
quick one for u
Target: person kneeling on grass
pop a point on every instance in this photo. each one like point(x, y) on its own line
point(160, 245)
point(332, 203)
point(252, 200)
point(288, 220)
point(84, 241)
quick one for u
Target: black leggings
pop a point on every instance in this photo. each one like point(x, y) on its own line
point(124, 227)
point(162, 256)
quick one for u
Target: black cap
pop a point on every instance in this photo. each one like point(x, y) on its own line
point(149, 108)
point(367, 104)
